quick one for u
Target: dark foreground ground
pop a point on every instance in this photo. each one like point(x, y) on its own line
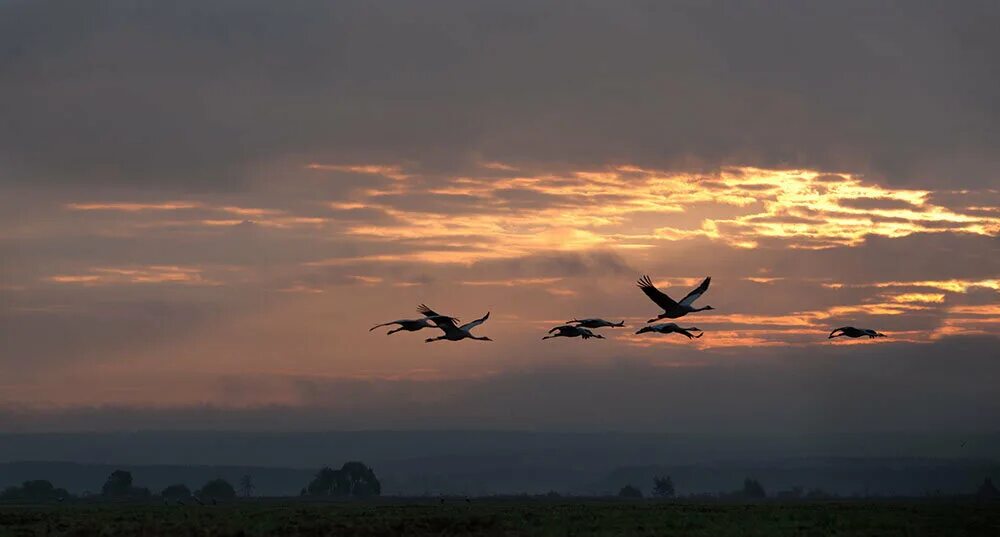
point(486, 517)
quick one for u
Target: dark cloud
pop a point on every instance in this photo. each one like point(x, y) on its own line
point(43, 337)
point(831, 389)
point(200, 95)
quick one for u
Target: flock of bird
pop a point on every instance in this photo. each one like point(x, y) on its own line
point(583, 328)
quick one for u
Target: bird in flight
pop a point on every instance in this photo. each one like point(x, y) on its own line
point(453, 332)
point(671, 308)
point(412, 325)
point(672, 328)
point(567, 330)
point(595, 323)
point(852, 332)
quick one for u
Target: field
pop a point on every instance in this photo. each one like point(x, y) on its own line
point(508, 517)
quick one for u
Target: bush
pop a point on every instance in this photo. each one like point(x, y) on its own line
point(217, 489)
point(663, 487)
point(628, 491)
point(988, 491)
point(37, 490)
point(176, 492)
point(118, 484)
point(753, 489)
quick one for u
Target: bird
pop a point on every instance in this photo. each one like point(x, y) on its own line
point(567, 330)
point(671, 328)
point(672, 309)
point(453, 332)
point(595, 323)
point(198, 500)
point(852, 332)
point(412, 325)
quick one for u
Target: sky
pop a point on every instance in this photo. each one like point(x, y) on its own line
point(204, 206)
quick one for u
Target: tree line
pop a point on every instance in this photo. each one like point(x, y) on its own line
point(354, 479)
point(663, 487)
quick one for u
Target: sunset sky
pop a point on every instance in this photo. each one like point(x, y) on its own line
point(205, 206)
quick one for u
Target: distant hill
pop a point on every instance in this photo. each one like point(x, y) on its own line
point(505, 462)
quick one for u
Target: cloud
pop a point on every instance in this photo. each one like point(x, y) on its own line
point(279, 188)
point(833, 389)
point(200, 96)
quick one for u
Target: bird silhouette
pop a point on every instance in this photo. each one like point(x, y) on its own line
point(595, 323)
point(567, 330)
point(671, 328)
point(671, 308)
point(850, 331)
point(412, 325)
point(453, 332)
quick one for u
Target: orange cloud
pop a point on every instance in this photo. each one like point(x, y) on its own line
point(153, 274)
point(134, 207)
point(385, 170)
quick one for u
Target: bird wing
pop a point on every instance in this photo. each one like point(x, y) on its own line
point(700, 290)
point(435, 316)
point(469, 326)
point(384, 324)
point(654, 294)
point(835, 330)
point(441, 321)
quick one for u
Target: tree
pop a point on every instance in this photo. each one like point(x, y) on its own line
point(246, 485)
point(361, 480)
point(118, 484)
point(988, 491)
point(663, 487)
point(37, 490)
point(217, 488)
point(753, 489)
point(353, 479)
point(176, 492)
point(328, 482)
point(628, 491)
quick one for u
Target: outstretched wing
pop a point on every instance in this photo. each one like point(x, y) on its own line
point(435, 316)
point(384, 324)
point(654, 294)
point(477, 322)
point(700, 290)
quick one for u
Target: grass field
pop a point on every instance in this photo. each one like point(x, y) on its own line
point(509, 517)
